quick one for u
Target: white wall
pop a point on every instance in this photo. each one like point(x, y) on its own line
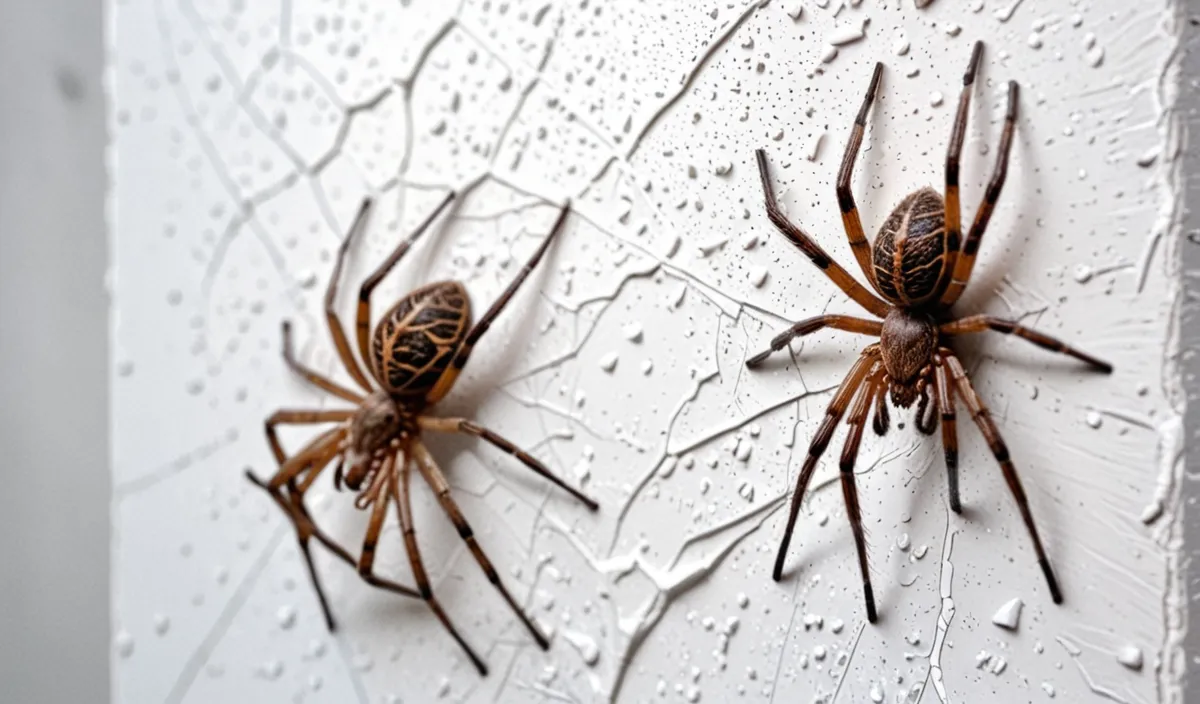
point(54, 503)
point(246, 134)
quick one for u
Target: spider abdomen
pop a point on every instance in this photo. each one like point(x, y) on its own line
point(415, 341)
point(909, 253)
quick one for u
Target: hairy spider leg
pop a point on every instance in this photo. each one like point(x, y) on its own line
point(953, 216)
point(462, 425)
point(945, 397)
point(833, 414)
point(443, 385)
point(982, 323)
point(312, 376)
point(858, 419)
point(987, 426)
point(400, 494)
point(811, 325)
point(965, 261)
point(839, 276)
point(441, 489)
point(851, 221)
point(362, 322)
point(331, 316)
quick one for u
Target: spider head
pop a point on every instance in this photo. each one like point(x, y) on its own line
point(378, 424)
point(903, 394)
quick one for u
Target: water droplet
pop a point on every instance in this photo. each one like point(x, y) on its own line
point(271, 670)
point(1094, 419)
point(1130, 656)
point(609, 362)
point(1009, 615)
point(757, 275)
point(162, 624)
point(632, 332)
point(936, 98)
point(286, 616)
point(876, 693)
point(846, 34)
point(586, 645)
point(123, 643)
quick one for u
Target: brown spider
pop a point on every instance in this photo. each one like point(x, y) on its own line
point(414, 356)
point(917, 265)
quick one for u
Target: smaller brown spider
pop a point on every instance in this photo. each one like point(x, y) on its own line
point(917, 266)
point(414, 356)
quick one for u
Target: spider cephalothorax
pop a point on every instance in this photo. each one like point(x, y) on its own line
point(414, 357)
point(907, 342)
point(919, 264)
point(379, 425)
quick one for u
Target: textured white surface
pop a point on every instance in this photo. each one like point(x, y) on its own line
point(245, 135)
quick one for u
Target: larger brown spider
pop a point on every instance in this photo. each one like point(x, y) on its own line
point(917, 266)
point(414, 356)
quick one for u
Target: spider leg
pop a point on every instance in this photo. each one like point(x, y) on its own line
point(833, 414)
point(983, 419)
point(981, 323)
point(292, 504)
point(970, 250)
point(945, 398)
point(926, 417)
point(400, 494)
point(362, 323)
point(312, 376)
point(953, 210)
point(462, 425)
point(446, 381)
point(811, 325)
point(858, 419)
point(812, 250)
point(366, 559)
point(845, 194)
point(298, 417)
point(437, 481)
point(882, 420)
point(331, 316)
point(314, 458)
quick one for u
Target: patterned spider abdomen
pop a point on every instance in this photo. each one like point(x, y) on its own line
point(909, 252)
point(415, 341)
